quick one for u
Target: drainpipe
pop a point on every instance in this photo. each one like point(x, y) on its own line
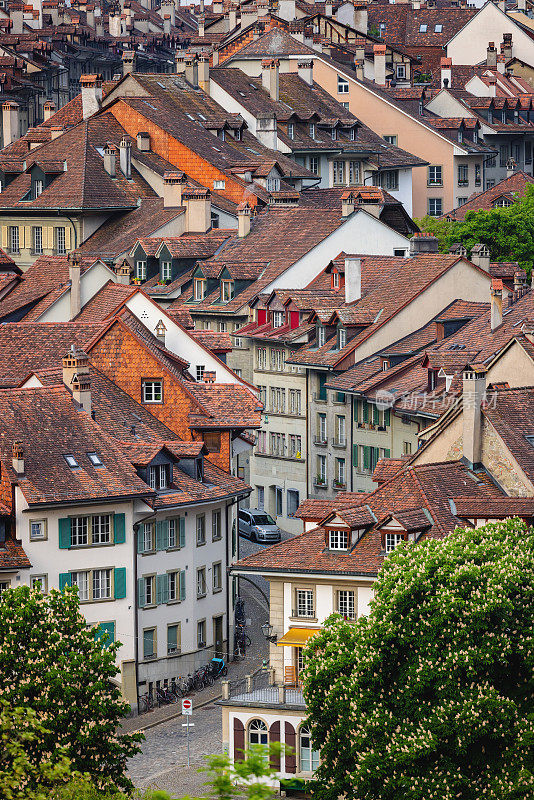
point(136, 606)
point(307, 434)
point(229, 580)
point(64, 214)
point(351, 451)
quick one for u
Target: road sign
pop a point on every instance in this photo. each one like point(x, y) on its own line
point(187, 706)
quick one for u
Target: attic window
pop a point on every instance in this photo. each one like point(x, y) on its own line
point(338, 540)
point(422, 28)
point(219, 184)
point(237, 134)
point(312, 130)
point(95, 460)
point(290, 130)
point(37, 189)
point(71, 461)
point(438, 28)
point(278, 319)
point(342, 85)
point(227, 291)
point(200, 288)
point(321, 335)
point(341, 338)
point(273, 184)
point(333, 134)
point(335, 280)
point(352, 134)
point(392, 540)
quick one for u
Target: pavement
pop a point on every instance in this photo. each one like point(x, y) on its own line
point(162, 762)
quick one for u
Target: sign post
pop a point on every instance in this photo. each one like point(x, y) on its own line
point(187, 711)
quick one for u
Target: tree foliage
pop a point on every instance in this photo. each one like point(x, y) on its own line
point(50, 662)
point(508, 232)
point(431, 697)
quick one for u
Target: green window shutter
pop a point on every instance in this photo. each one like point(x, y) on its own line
point(182, 584)
point(120, 583)
point(140, 540)
point(162, 589)
point(340, 397)
point(366, 457)
point(119, 528)
point(172, 638)
point(162, 534)
point(387, 417)
point(322, 387)
point(64, 580)
point(105, 632)
point(356, 406)
point(355, 456)
point(141, 600)
point(376, 415)
point(387, 453)
point(365, 411)
point(148, 643)
point(182, 531)
point(64, 533)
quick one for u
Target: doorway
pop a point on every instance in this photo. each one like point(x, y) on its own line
point(218, 636)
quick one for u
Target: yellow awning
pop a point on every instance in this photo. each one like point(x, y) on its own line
point(297, 637)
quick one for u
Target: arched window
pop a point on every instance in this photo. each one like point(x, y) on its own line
point(309, 758)
point(257, 732)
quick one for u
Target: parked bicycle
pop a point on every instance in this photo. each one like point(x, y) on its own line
point(146, 702)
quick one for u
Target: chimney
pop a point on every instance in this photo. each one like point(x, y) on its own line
point(232, 19)
point(511, 167)
point(76, 377)
point(48, 111)
point(353, 279)
point(491, 56)
point(16, 13)
point(501, 64)
point(267, 130)
point(473, 393)
point(172, 189)
point(75, 269)
point(201, 24)
point(90, 16)
point(114, 19)
point(360, 17)
point(191, 70)
point(507, 46)
point(480, 255)
point(197, 204)
point(10, 120)
point(520, 281)
point(167, 24)
point(423, 243)
point(128, 62)
point(265, 73)
point(328, 8)
point(204, 73)
point(122, 273)
point(347, 204)
point(125, 157)
point(522, 6)
point(359, 64)
point(446, 72)
point(305, 70)
point(274, 89)
point(160, 330)
point(179, 63)
point(359, 49)
point(496, 303)
point(143, 141)
point(208, 376)
point(243, 220)
point(18, 458)
point(492, 86)
point(109, 159)
point(56, 130)
point(379, 51)
point(91, 94)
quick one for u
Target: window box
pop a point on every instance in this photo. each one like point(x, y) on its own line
point(338, 485)
point(320, 441)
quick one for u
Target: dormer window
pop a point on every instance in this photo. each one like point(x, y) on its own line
point(333, 134)
point(392, 540)
point(140, 270)
point(352, 134)
point(338, 540)
point(312, 130)
point(278, 319)
point(200, 470)
point(460, 136)
point(335, 280)
point(290, 130)
point(159, 476)
point(432, 379)
point(321, 335)
point(237, 134)
point(95, 460)
point(71, 461)
point(475, 135)
point(200, 288)
point(37, 188)
point(341, 338)
point(227, 291)
point(273, 184)
point(166, 270)
point(222, 134)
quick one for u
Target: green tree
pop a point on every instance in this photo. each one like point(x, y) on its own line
point(51, 662)
point(508, 232)
point(431, 697)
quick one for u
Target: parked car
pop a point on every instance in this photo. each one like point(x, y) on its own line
point(258, 526)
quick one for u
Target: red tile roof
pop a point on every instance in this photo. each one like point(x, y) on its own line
point(513, 187)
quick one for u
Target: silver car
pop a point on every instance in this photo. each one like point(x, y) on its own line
point(258, 526)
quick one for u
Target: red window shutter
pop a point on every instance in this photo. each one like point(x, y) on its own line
point(262, 316)
point(291, 742)
point(239, 740)
point(294, 319)
point(274, 736)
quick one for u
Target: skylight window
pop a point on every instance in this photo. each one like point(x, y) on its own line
point(530, 440)
point(71, 461)
point(422, 28)
point(438, 28)
point(95, 460)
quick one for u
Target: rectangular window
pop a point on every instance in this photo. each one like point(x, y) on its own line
point(341, 338)
point(37, 189)
point(216, 529)
point(389, 179)
point(278, 319)
point(295, 401)
point(435, 206)
point(340, 472)
point(201, 633)
point(278, 400)
point(354, 173)
point(342, 85)
point(201, 582)
point(173, 638)
point(149, 643)
point(407, 448)
point(528, 152)
point(338, 172)
point(295, 446)
point(321, 335)
point(338, 540)
point(140, 270)
point(200, 288)
point(101, 584)
point(435, 176)
point(152, 391)
point(391, 139)
point(392, 540)
point(14, 239)
point(60, 241)
point(101, 529)
point(273, 184)
point(227, 291)
point(401, 71)
point(315, 165)
point(148, 537)
point(478, 174)
point(290, 130)
point(260, 493)
point(149, 590)
point(309, 758)
point(37, 529)
point(346, 603)
point(341, 437)
point(304, 601)
point(39, 582)
point(278, 444)
point(262, 442)
point(172, 533)
point(79, 531)
point(463, 175)
point(200, 372)
point(166, 270)
point(321, 470)
point(311, 130)
point(222, 327)
point(503, 155)
point(219, 184)
point(81, 580)
point(262, 358)
point(159, 476)
point(217, 576)
point(201, 529)
point(278, 500)
point(173, 585)
point(37, 239)
point(321, 427)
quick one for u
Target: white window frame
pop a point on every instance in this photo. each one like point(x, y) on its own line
point(152, 391)
point(200, 289)
point(304, 606)
point(166, 270)
point(140, 270)
point(342, 85)
point(61, 248)
point(391, 541)
point(346, 603)
point(338, 539)
point(37, 238)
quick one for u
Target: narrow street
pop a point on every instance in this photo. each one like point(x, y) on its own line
point(162, 763)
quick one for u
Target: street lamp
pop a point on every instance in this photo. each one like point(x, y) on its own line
point(267, 630)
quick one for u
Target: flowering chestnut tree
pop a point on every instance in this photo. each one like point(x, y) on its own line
point(51, 662)
point(431, 697)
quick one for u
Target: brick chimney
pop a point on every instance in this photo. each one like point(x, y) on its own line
point(423, 243)
point(129, 58)
point(480, 255)
point(123, 272)
point(197, 204)
point(110, 151)
point(267, 130)
point(76, 377)
point(91, 94)
point(10, 122)
point(75, 271)
point(143, 141)
point(243, 220)
point(353, 279)
point(18, 458)
point(173, 184)
point(446, 72)
point(160, 330)
point(48, 110)
point(305, 70)
point(125, 157)
point(379, 51)
point(474, 390)
point(347, 204)
point(496, 303)
point(491, 56)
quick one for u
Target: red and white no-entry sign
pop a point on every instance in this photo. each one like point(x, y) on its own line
point(187, 706)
